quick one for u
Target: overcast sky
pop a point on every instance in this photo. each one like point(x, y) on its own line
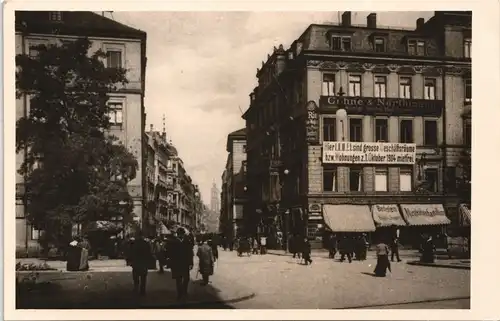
point(201, 69)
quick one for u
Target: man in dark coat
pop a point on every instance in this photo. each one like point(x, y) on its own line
point(306, 251)
point(140, 258)
point(346, 248)
point(395, 249)
point(332, 245)
point(181, 262)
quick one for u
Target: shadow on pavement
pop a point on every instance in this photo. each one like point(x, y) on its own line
point(113, 290)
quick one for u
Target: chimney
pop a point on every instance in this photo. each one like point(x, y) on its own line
point(346, 19)
point(371, 21)
point(420, 23)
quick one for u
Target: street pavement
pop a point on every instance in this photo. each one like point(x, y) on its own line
point(266, 281)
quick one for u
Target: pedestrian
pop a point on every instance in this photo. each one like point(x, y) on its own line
point(140, 258)
point(332, 245)
point(346, 248)
point(395, 249)
point(73, 256)
point(306, 251)
point(292, 248)
point(263, 243)
point(181, 262)
point(364, 246)
point(215, 251)
point(160, 254)
point(255, 245)
point(382, 251)
point(205, 262)
point(428, 250)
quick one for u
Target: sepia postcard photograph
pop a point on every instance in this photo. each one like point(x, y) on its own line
point(307, 159)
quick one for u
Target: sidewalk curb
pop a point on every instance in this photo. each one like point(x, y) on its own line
point(202, 303)
point(449, 266)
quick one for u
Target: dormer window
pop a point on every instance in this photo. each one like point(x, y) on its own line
point(379, 44)
point(341, 43)
point(416, 47)
point(55, 15)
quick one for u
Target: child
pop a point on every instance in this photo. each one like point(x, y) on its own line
point(306, 251)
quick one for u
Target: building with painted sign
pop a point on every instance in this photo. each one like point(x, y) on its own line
point(352, 126)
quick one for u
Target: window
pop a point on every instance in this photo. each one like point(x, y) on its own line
point(406, 131)
point(381, 130)
point(114, 59)
point(380, 86)
point(468, 90)
point(19, 209)
point(33, 52)
point(467, 133)
point(355, 85)
point(379, 45)
point(430, 133)
point(328, 88)
point(381, 179)
point(329, 129)
point(355, 130)
point(468, 48)
point(55, 15)
point(416, 47)
point(35, 234)
point(115, 113)
point(329, 179)
point(430, 88)
point(431, 178)
point(405, 179)
point(356, 179)
point(341, 43)
point(405, 87)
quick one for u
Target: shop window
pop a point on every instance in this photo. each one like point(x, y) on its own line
point(328, 86)
point(405, 87)
point(468, 90)
point(406, 131)
point(381, 179)
point(355, 85)
point(356, 179)
point(405, 179)
point(33, 52)
point(468, 48)
point(430, 88)
point(381, 130)
point(114, 59)
point(355, 130)
point(431, 178)
point(379, 45)
point(329, 179)
point(329, 129)
point(430, 133)
point(380, 86)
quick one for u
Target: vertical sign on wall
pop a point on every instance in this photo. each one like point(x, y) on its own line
point(312, 123)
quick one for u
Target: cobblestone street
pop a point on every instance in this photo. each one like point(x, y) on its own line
point(269, 281)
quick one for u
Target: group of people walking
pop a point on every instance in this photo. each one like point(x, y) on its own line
point(350, 246)
point(175, 253)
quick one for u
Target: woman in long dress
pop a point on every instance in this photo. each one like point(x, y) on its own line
point(206, 261)
point(383, 263)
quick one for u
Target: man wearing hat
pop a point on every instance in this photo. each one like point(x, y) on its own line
point(181, 262)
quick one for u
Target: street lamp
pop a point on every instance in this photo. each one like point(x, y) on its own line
point(341, 113)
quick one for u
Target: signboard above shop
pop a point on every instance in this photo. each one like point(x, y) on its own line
point(369, 153)
point(385, 106)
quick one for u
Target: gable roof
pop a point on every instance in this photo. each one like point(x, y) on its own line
point(79, 23)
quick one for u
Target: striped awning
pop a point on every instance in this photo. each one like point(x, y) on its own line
point(348, 218)
point(424, 214)
point(464, 211)
point(387, 215)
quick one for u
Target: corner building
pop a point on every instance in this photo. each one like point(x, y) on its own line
point(404, 91)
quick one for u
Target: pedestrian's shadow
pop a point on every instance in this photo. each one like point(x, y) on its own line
point(370, 274)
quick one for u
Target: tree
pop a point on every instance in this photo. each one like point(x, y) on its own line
point(74, 170)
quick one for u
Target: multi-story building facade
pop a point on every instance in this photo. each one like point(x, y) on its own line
point(233, 195)
point(214, 198)
point(126, 48)
point(353, 123)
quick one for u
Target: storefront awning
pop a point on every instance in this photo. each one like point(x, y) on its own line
point(348, 218)
point(424, 214)
point(387, 215)
point(464, 215)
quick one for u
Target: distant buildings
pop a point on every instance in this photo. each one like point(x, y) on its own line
point(172, 198)
point(233, 195)
point(126, 47)
point(214, 198)
point(386, 147)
